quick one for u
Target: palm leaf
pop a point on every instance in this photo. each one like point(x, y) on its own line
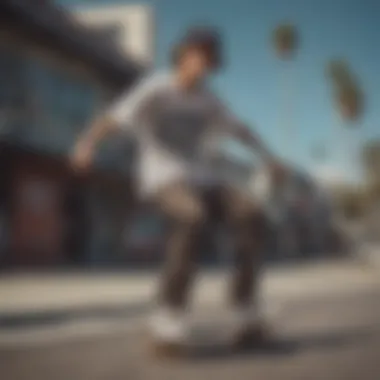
point(350, 101)
point(339, 72)
point(285, 39)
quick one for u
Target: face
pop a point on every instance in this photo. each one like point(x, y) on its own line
point(194, 64)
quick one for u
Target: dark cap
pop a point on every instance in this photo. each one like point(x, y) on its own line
point(207, 39)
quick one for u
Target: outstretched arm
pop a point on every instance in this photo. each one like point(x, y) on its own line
point(98, 130)
point(250, 139)
point(225, 119)
point(123, 114)
point(241, 132)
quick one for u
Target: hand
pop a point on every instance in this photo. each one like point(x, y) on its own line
point(82, 157)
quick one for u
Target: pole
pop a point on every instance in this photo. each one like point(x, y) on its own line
point(286, 123)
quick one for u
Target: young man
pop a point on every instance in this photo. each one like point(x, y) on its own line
point(178, 120)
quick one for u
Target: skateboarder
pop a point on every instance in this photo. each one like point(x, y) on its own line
point(178, 121)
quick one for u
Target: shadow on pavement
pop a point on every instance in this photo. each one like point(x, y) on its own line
point(56, 317)
point(287, 346)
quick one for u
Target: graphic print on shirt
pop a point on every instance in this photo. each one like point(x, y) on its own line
point(181, 131)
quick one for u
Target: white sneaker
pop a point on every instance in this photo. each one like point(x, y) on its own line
point(169, 326)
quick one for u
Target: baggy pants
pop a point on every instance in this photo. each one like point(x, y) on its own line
point(188, 209)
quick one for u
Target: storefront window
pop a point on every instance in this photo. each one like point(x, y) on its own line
point(146, 232)
point(42, 105)
point(12, 92)
point(62, 105)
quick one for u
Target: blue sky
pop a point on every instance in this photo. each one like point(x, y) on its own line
point(251, 83)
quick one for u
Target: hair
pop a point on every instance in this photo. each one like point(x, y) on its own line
point(206, 40)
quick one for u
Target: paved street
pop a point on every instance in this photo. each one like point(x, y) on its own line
point(331, 338)
point(325, 331)
point(33, 293)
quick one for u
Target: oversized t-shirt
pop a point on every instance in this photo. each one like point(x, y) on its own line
point(178, 131)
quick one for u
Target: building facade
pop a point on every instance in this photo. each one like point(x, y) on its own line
point(130, 27)
point(55, 77)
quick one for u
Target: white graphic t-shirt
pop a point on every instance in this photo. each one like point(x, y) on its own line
point(178, 131)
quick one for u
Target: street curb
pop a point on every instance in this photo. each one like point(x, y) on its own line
point(16, 320)
point(21, 320)
point(137, 301)
point(85, 330)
